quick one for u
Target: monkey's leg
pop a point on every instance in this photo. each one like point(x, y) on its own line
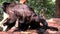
point(12, 27)
point(37, 21)
point(36, 26)
point(45, 24)
point(9, 26)
point(22, 27)
point(44, 28)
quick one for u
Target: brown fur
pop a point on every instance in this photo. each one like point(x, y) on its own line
point(25, 15)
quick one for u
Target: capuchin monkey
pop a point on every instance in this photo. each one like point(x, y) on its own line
point(26, 17)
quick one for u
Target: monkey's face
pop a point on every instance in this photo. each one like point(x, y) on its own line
point(5, 5)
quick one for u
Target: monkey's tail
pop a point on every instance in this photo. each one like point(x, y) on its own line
point(52, 28)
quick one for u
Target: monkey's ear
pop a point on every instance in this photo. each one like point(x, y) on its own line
point(5, 4)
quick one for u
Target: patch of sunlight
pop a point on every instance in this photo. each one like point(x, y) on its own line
point(53, 0)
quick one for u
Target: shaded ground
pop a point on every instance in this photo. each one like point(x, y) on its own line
point(55, 22)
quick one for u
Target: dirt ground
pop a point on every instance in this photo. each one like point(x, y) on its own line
point(55, 22)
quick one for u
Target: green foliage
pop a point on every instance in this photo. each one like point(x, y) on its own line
point(38, 5)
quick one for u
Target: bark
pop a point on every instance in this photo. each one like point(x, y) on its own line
point(57, 9)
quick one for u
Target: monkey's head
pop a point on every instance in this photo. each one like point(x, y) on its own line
point(5, 5)
point(6, 10)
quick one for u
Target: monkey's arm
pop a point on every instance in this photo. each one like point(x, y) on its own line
point(44, 23)
point(5, 17)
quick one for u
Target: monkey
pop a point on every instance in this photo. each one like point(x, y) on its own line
point(26, 17)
